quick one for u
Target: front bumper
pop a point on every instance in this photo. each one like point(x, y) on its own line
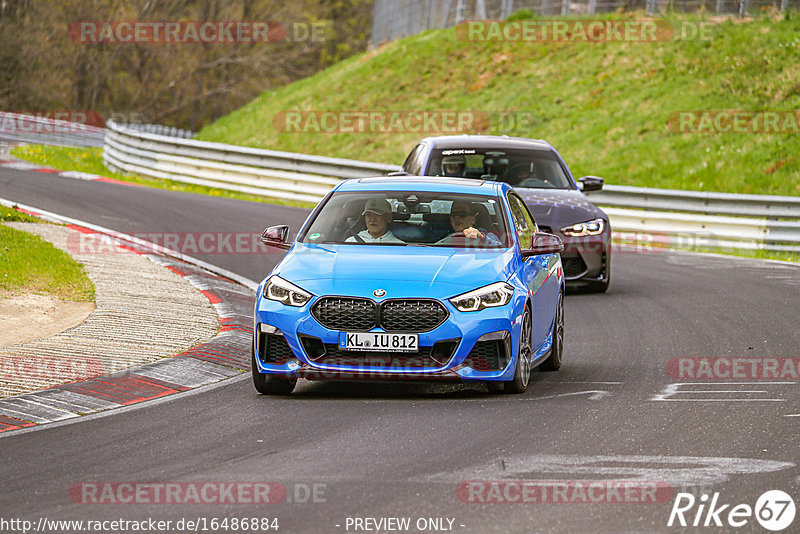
point(478, 345)
point(587, 258)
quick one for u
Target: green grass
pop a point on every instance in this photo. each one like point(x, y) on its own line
point(90, 160)
point(604, 106)
point(30, 264)
point(13, 215)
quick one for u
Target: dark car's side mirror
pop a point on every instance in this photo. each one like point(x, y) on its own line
point(275, 236)
point(543, 243)
point(590, 183)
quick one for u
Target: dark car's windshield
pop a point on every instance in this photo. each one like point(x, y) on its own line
point(519, 167)
point(405, 218)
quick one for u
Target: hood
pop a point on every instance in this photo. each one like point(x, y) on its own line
point(419, 271)
point(556, 208)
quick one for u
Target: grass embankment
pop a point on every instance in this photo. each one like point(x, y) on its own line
point(30, 264)
point(604, 106)
point(90, 160)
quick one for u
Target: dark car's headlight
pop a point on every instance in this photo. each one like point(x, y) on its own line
point(491, 296)
point(594, 227)
point(280, 290)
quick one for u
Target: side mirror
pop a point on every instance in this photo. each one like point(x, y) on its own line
point(398, 173)
point(543, 243)
point(275, 236)
point(590, 183)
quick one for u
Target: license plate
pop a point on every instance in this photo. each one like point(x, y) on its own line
point(377, 341)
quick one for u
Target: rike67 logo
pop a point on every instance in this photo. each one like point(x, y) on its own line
point(774, 510)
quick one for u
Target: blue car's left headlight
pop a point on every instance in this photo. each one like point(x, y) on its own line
point(280, 290)
point(491, 296)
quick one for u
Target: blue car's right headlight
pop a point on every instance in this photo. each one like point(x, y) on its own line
point(491, 296)
point(280, 290)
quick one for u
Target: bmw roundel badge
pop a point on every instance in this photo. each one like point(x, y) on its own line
point(379, 292)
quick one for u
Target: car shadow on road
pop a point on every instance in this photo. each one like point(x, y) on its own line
point(315, 390)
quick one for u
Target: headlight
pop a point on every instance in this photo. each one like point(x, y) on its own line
point(279, 289)
point(594, 227)
point(491, 296)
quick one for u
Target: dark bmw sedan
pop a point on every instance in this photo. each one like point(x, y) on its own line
point(541, 177)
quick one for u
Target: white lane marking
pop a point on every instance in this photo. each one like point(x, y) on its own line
point(792, 415)
point(679, 471)
point(676, 392)
point(595, 394)
point(582, 382)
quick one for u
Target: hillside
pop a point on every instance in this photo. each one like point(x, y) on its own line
point(605, 106)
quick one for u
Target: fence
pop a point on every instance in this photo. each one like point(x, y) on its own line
point(393, 19)
point(696, 218)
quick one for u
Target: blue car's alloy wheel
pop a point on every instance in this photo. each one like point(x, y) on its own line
point(553, 362)
point(522, 373)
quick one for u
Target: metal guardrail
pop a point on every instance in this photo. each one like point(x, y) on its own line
point(691, 217)
point(284, 175)
point(25, 128)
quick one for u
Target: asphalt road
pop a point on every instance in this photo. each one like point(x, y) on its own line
point(374, 450)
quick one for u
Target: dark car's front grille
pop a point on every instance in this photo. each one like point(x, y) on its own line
point(573, 265)
point(345, 313)
point(274, 349)
point(487, 356)
point(426, 358)
point(394, 315)
point(412, 315)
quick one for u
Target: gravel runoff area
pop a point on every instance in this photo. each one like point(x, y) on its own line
point(144, 312)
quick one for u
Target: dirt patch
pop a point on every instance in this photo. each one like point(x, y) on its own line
point(28, 317)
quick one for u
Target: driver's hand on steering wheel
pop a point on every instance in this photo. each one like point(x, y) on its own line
point(473, 233)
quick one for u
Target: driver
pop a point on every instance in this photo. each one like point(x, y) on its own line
point(453, 165)
point(377, 216)
point(462, 218)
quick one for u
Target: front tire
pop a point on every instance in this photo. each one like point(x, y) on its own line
point(553, 362)
point(267, 384)
point(522, 372)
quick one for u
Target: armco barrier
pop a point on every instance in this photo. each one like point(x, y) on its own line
point(40, 130)
point(696, 218)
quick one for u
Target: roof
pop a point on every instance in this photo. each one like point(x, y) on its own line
point(487, 141)
point(423, 183)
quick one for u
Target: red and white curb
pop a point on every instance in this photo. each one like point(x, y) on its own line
point(224, 356)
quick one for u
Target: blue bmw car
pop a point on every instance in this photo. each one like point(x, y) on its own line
point(411, 278)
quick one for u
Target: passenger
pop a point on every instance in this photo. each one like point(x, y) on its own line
point(462, 219)
point(453, 165)
point(377, 216)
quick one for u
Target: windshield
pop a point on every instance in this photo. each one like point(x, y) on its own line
point(405, 218)
point(519, 167)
